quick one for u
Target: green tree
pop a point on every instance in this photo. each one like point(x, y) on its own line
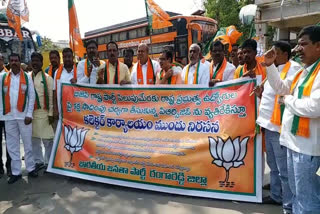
point(226, 12)
point(47, 45)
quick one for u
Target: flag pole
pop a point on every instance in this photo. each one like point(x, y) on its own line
point(149, 27)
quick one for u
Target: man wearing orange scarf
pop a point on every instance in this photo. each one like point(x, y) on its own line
point(114, 71)
point(54, 58)
point(251, 67)
point(87, 69)
point(43, 112)
point(300, 128)
point(170, 74)
point(16, 108)
point(220, 68)
point(270, 113)
point(145, 70)
point(195, 72)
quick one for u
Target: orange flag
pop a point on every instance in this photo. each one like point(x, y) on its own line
point(17, 13)
point(75, 42)
point(157, 17)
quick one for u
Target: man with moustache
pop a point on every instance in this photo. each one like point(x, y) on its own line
point(240, 57)
point(220, 68)
point(234, 55)
point(87, 69)
point(16, 109)
point(66, 73)
point(54, 58)
point(114, 72)
point(170, 74)
point(195, 72)
point(301, 120)
point(128, 59)
point(251, 67)
point(144, 72)
point(43, 112)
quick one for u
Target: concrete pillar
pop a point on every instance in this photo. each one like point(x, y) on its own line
point(283, 34)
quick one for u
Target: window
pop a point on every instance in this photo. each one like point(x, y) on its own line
point(123, 35)
point(115, 37)
point(132, 34)
point(142, 32)
point(101, 40)
point(107, 38)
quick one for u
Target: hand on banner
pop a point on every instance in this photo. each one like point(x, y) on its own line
point(51, 120)
point(258, 90)
point(27, 120)
point(73, 81)
point(125, 82)
point(250, 74)
point(269, 57)
point(212, 82)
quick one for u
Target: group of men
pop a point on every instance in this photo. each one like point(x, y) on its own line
point(289, 110)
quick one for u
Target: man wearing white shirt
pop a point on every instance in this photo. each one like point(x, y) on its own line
point(16, 107)
point(195, 72)
point(300, 130)
point(144, 72)
point(270, 113)
point(220, 68)
point(87, 69)
point(66, 73)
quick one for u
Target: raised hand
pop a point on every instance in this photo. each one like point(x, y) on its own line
point(269, 57)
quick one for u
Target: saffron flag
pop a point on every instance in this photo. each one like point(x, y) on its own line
point(157, 17)
point(17, 13)
point(75, 42)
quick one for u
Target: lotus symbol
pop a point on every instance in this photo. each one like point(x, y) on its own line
point(74, 138)
point(228, 154)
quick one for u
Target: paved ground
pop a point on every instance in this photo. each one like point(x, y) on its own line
point(52, 193)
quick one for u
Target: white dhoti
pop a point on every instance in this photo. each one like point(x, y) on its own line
point(15, 128)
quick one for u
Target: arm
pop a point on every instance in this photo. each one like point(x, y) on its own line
point(281, 87)
point(307, 106)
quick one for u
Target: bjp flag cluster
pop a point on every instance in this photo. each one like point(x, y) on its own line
point(157, 17)
point(17, 13)
point(75, 42)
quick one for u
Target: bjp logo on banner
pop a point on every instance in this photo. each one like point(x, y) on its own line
point(229, 154)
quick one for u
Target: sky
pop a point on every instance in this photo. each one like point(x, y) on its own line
point(50, 17)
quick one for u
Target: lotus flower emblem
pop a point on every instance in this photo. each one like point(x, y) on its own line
point(74, 138)
point(229, 154)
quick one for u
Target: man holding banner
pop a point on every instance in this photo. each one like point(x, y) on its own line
point(270, 115)
point(87, 69)
point(300, 124)
point(43, 112)
point(114, 72)
point(65, 73)
point(145, 70)
point(195, 72)
point(220, 68)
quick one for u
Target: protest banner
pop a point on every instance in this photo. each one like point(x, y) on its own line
point(185, 140)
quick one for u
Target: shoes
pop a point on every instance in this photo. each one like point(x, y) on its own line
point(39, 166)
point(1, 172)
point(14, 178)
point(33, 174)
point(269, 200)
point(266, 187)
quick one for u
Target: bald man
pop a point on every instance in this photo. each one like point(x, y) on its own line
point(144, 72)
point(195, 72)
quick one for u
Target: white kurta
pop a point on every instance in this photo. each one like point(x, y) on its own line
point(134, 78)
point(306, 107)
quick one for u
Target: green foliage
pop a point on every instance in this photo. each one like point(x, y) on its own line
point(47, 45)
